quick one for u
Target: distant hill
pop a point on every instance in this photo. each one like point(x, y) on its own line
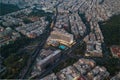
point(20, 3)
point(7, 8)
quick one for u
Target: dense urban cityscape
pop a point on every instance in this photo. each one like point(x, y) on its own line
point(60, 39)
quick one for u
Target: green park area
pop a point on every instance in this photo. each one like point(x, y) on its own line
point(111, 30)
point(111, 33)
point(14, 60)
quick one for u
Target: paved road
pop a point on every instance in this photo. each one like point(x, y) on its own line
point(31, 61)
point(62, 58)
point(65, 53)
point(68, 53)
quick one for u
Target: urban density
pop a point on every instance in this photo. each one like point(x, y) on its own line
point(58, 40)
